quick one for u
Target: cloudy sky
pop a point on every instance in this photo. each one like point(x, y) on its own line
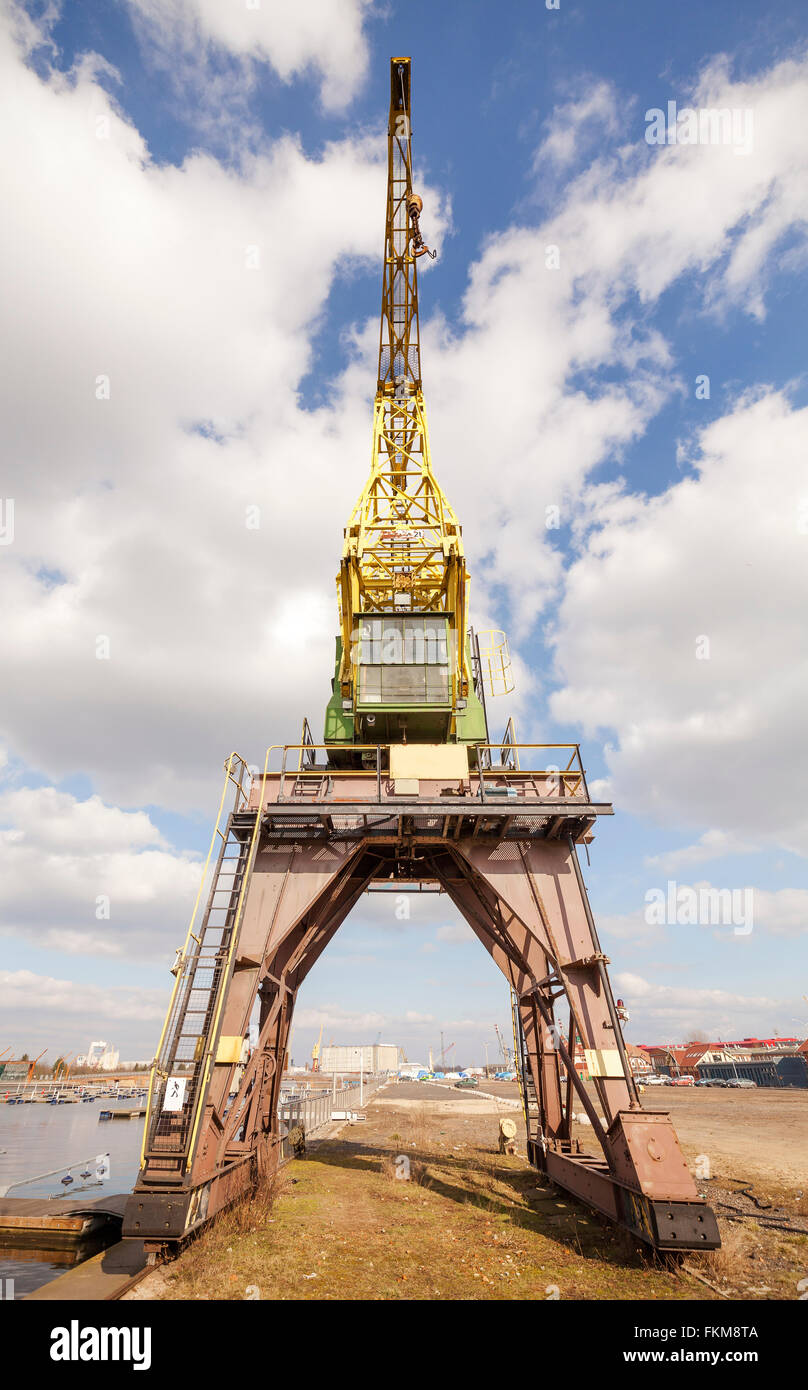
point(614, 338)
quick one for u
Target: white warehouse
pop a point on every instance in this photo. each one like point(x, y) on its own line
point(367, 1057)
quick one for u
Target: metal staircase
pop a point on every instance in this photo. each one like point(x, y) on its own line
point(527, 1089)
point(188, 1046)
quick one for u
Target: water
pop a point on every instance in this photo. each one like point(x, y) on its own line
point(36, 1138)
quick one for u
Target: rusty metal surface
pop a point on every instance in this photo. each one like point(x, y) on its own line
point(525, 900)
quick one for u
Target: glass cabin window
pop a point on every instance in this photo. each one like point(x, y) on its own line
point(404, 660)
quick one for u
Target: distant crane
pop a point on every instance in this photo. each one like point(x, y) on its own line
point(32, 1065)
point(315, 1051)
point(503, 1049)
point(61, 1068)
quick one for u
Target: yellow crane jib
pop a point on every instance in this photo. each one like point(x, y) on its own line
point(407, 667)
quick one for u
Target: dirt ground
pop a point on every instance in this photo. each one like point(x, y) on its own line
point(473, 1224)
point(761, 1134)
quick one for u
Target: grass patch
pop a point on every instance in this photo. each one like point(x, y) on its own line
point(469, 1224)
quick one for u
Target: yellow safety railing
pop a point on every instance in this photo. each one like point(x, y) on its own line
point(516, 761)
point(495, 661)
point(202, 1088)
point(235, 773)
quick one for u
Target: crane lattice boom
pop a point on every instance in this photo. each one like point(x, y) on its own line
point(404, 655)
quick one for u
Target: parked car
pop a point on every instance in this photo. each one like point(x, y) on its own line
point(711, 1081)
point(655, 1080)
point(740, 1083)
point(467, 1083)
point(683, 1081)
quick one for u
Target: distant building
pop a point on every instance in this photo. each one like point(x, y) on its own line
point(639, 1061)
point(766, 1061)
point(102, 1057)
point(369, 1057)
point(14, 1070)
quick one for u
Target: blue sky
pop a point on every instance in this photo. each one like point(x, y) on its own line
point(680, 515)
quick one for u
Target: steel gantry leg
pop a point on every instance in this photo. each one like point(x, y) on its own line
point(225, 1131)
point(281, 889)
point(529, 906)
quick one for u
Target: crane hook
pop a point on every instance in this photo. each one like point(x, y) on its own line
point(415, 206)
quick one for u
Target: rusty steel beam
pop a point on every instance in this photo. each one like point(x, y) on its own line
point(526, 901)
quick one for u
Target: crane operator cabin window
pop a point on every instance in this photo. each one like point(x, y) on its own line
point(404, 660)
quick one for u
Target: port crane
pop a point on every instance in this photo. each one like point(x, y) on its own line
point(61, 1068)
point(408, 667)
point(407, 788)
point(503, 1051)
point(315, 1051)
point(32, 1066)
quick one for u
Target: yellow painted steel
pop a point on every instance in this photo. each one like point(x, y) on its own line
point(517, 1056)
point(603, 1062)
point(189, 937)
point(229, 1050)
point(202, 1089)
point(495, 659)
point(429, 760)
point(403, 547)
point(234, 761)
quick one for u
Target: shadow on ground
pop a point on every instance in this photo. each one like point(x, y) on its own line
point(500, 1186)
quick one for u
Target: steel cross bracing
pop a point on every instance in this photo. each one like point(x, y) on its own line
point(297, 870)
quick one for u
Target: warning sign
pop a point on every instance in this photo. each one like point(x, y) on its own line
point(175, 1093)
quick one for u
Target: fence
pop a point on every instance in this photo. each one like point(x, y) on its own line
point(313, 1112)
point(97, 1168)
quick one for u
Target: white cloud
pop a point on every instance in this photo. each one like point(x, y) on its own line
point(720, 555)
point(536, 339)
point(42, 1011)
point(784, 912)
point(721, 908)
point(669, 1012)
point(62, 855)
point(318, 36)
point(57, 821)
point(23, 991)
point(629, 927)
point(131, 512)
point(713, 844)
point(592, 116)
point(359, 1023)
point(455, 934)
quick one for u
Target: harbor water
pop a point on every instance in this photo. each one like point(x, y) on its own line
point(36, 1138)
